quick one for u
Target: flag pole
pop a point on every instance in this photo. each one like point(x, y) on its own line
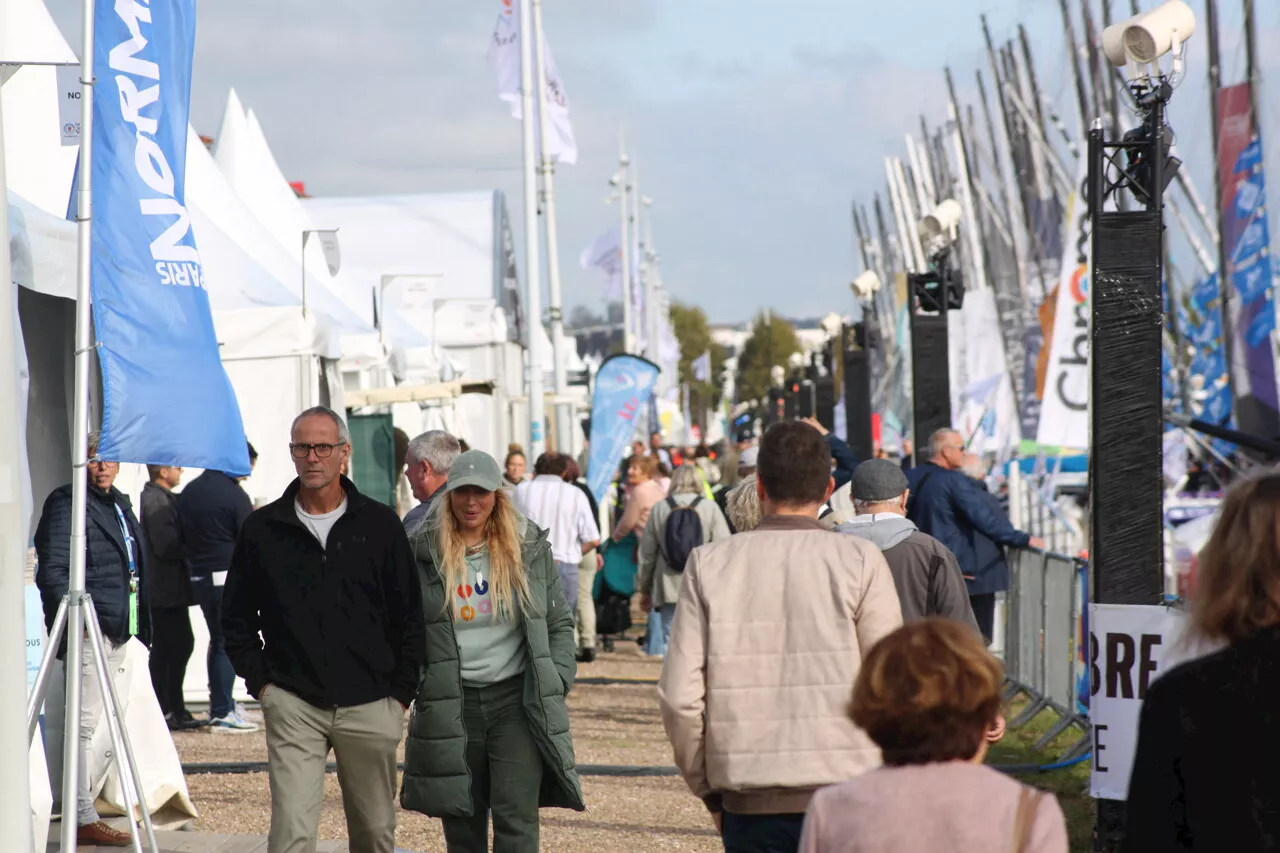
point(555, 308)
point(533, 292)
point(15, 782)
point(75, 630)
point(628, 321)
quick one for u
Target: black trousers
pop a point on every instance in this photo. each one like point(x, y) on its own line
point(984, 611)
point(171, 645)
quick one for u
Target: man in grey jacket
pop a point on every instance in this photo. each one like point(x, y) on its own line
point(926, 574)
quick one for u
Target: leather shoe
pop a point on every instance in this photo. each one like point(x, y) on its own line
point(102, 835)
point(587, 656)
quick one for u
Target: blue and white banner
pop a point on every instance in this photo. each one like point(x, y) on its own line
point(166, 397)
point(624, 390)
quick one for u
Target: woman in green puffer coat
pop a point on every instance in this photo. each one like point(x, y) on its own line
point(490, 730)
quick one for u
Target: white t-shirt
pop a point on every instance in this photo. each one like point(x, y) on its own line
point(320, 525)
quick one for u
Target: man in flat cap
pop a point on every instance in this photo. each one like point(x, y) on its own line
point(926, 574)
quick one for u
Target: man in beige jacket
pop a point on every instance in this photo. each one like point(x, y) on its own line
point(770, 632)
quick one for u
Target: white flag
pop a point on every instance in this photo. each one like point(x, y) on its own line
point(605, 254)
point(504, 58)
point(702, 368)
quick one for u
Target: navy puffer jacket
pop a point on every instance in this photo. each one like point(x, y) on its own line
point(107, 566)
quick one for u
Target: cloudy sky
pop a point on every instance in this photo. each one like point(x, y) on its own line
point(754, 123)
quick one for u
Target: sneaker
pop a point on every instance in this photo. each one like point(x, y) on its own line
point(232, 723)
point(245, 714)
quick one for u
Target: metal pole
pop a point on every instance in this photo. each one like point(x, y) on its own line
point(126, 761)
point(628, 344)
point(564, 417)
point(79, 439)
point(1073, 49)
point(1092, 53)
point(15, 781)
point(1224, 268)
point(305, 234)
point(1250, 58)
point(36, 700)
point(533, 295)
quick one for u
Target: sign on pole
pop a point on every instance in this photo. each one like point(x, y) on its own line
point(1130, 645)
point(69, 104)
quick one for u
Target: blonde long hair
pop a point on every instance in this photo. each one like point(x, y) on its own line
point(507, 575)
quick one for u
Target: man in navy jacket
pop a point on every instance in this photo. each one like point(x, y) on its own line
point(114, 567)
point(212, 508)
point(953, 509)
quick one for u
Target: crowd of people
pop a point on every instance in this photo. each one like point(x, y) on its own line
point(779, 580)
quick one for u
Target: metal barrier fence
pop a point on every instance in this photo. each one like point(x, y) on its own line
point(1046, 640)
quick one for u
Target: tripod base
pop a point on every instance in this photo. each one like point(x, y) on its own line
point(96, 668)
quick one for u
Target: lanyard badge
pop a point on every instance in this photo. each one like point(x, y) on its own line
point(133, 606)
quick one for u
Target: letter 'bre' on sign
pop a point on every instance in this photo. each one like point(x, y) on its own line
point(176, 263)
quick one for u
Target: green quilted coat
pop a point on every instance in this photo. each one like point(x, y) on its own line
point(437, 781)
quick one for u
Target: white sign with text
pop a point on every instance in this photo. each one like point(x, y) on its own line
point(69, 104)
point(1130, 645)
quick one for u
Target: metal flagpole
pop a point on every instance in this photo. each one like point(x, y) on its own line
point(564, 434)
point(624, 235)
point(71, 768)
point(15, 782)
point(533, 294)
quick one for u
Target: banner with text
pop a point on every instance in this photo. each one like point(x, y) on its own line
point(1129, 646)
point(1243, 213)
point(1064, 416)
point(166, 397)
point(623, 393)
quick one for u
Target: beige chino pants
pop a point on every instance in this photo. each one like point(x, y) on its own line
point(363, 739)
point(585, 629)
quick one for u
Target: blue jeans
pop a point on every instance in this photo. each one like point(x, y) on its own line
point(659, 629)
point(569, 581)
point(222, 676)
point(762, 833)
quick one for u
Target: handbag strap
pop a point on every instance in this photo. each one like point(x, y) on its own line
point(1025, 817)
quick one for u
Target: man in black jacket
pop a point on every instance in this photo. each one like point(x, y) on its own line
point(323, 618)
point(168, 594)
point(213, 507)
point(114, 563)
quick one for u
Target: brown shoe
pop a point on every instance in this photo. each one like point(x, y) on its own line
point(102, 835)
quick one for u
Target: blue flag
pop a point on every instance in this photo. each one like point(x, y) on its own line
point(166, 397)
point(624, 389)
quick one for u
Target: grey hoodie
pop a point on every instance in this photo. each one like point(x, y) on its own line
point(925, 573)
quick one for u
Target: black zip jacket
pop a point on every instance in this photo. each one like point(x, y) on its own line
point(212, 509)
point(340, 625)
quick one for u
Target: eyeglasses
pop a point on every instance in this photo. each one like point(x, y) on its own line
point(323, 451)
point(104, 463)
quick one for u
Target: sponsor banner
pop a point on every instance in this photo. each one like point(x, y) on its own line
point(622, 399)
point(1064, 416)
point(1245, 233)
point(1130, 645)
point(166, 397)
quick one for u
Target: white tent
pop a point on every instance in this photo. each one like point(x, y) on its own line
point(455, 285)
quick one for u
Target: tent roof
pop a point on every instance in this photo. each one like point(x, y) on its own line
point(39, 168)
point(461, 241)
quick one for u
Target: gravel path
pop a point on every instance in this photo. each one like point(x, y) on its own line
point(612, 724)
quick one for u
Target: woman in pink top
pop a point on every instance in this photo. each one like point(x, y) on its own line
point(929, 696)
point(642, 493)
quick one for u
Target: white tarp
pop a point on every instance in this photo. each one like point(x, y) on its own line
point(39, 168)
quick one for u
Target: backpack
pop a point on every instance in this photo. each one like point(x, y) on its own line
point(683, 533)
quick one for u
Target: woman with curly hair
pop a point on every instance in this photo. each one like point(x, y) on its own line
point(929, 696)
